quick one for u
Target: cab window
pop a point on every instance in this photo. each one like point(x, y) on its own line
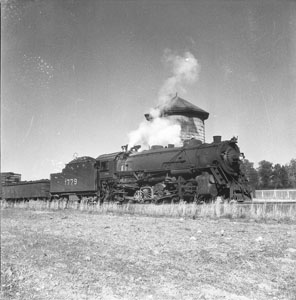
point(104, 166)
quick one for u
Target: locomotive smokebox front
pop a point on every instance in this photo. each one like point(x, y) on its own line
point(190, 118)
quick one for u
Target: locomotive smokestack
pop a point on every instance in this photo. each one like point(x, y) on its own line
point(217, 138)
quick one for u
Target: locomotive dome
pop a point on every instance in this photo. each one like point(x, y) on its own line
point(189, 116)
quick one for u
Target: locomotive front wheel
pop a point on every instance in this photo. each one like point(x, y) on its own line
point(175, 200)
point(233, 202)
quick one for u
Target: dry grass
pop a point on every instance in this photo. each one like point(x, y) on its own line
point(86, 255)
point(254, 211)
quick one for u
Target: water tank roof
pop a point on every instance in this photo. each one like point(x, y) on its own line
point(179, 106)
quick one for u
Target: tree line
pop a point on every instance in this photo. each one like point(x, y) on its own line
point(270, 176)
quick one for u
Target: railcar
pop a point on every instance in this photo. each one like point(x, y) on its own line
point(26, 190)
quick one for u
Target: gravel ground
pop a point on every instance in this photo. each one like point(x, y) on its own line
point(77, 255)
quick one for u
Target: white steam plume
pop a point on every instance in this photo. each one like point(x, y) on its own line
point(185, 71)
point(162, 131)
point(159, 131)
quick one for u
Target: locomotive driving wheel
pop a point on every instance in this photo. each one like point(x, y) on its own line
point(143, 195)
point(189, 192)
point(138, 196)
point(159, 189)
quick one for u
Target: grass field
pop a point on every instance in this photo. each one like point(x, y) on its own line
point(165, 252)
point(276, 211)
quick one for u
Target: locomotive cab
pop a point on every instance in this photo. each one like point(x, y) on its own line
point(107, 165)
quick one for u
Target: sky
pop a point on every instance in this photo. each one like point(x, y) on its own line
point(78, 76)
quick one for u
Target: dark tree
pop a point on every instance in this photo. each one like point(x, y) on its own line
point(280, 178)
point(276, 177)
point(251, 173)
point(284, 177)
point(265, 172)
point(291, 169)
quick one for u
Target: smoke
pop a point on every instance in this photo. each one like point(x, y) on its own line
point(185, 70)
point(160, 130)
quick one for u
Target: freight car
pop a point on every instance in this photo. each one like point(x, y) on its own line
point(26, 190)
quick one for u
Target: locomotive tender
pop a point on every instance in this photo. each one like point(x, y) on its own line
point(78, 178)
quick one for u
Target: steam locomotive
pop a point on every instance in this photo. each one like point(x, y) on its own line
point(195, 172)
